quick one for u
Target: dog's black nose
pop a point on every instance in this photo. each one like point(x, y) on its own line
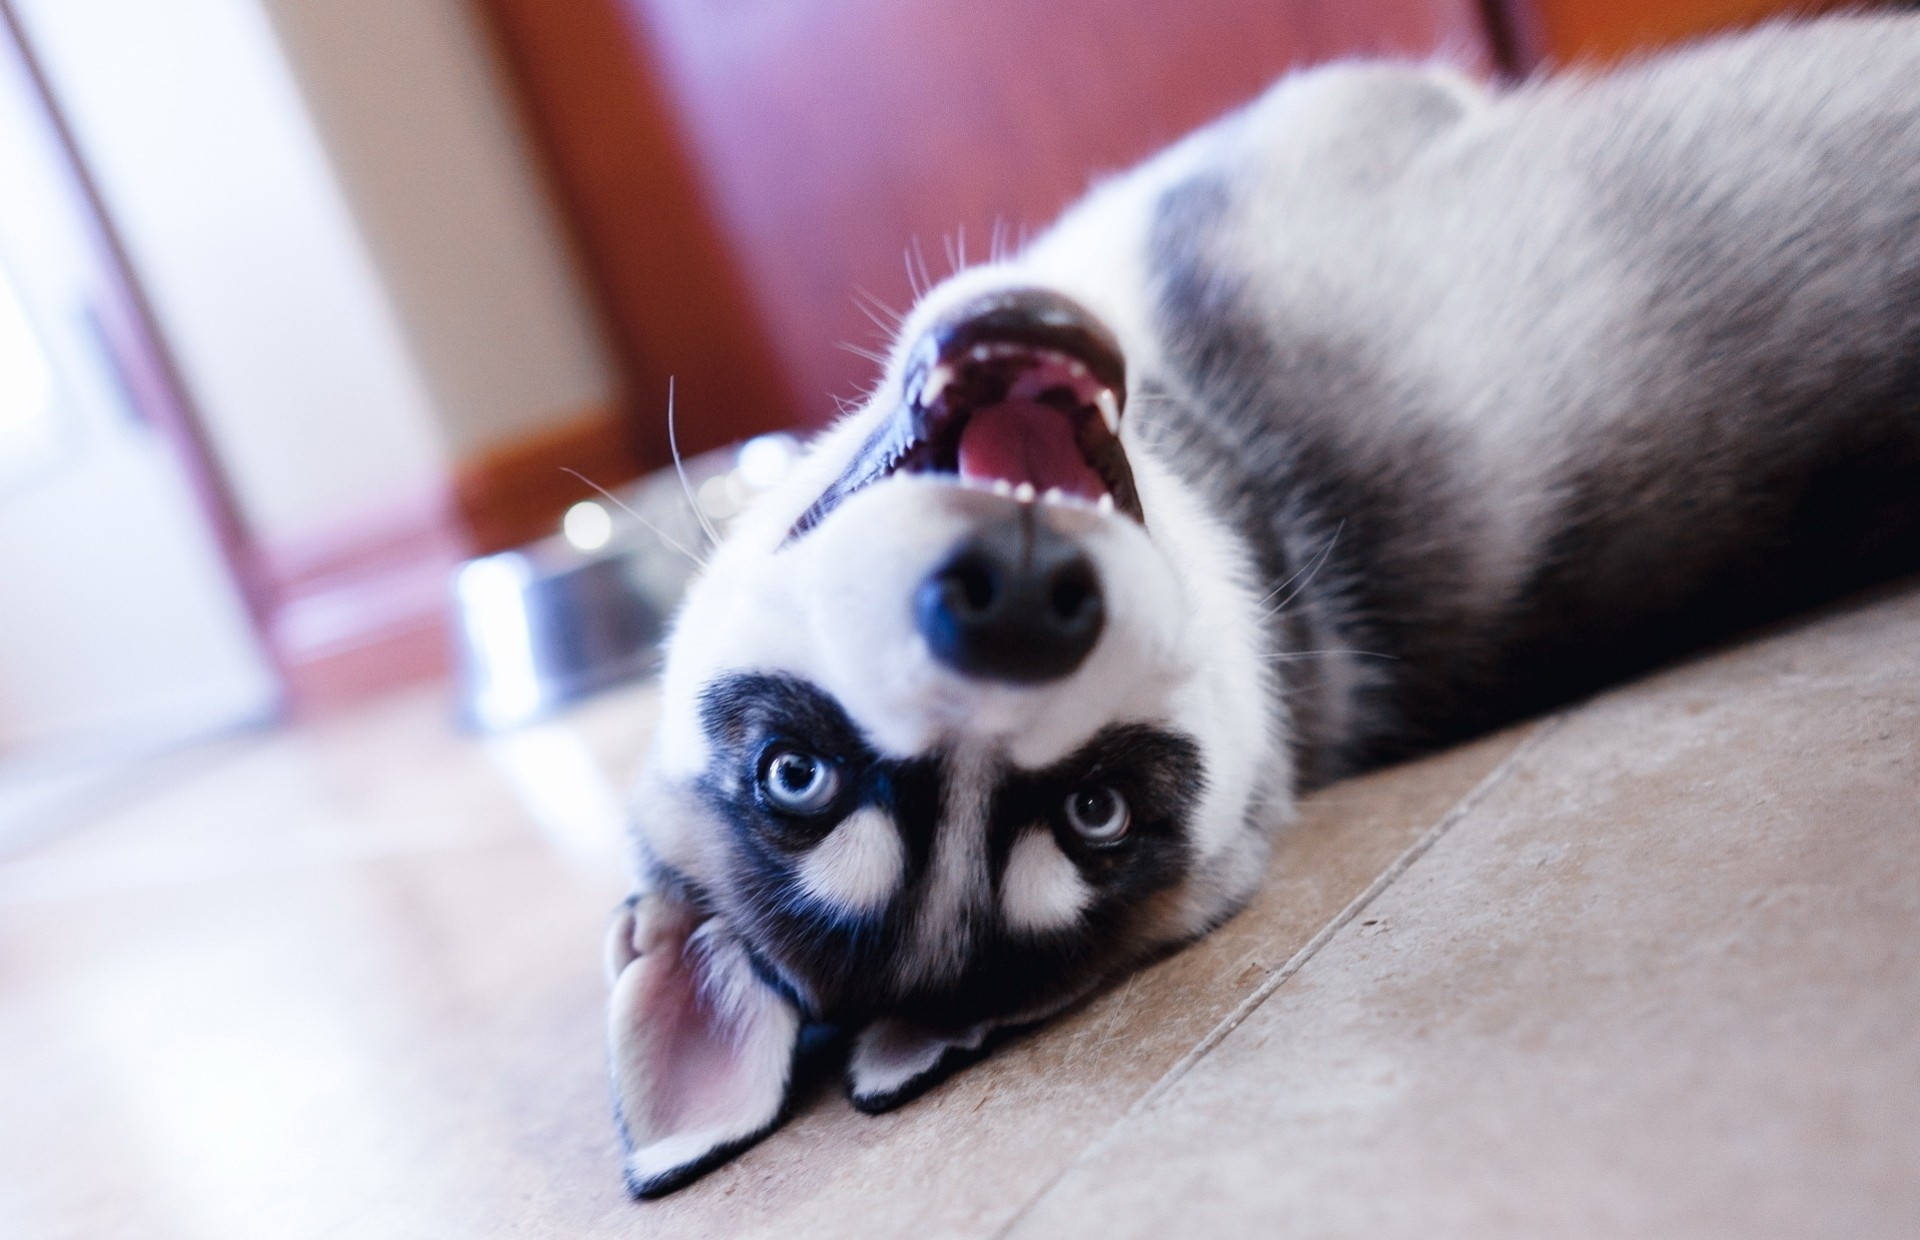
point(1016, 601)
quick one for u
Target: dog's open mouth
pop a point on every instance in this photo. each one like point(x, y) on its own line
point(1021, 393)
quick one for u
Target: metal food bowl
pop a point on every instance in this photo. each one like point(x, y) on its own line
point(585, 608)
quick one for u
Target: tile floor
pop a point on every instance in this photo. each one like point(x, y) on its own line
point(1647, 968)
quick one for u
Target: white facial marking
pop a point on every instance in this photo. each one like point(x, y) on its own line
point(957, 874)
point(858, 866)
point(1042, 890)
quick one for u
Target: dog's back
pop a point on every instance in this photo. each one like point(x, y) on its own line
point(1522, 393)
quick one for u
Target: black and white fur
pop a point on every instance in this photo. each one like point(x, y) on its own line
point(1442, 405)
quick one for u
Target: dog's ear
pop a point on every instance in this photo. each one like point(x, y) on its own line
point(893, 1062)
point(702, 1048)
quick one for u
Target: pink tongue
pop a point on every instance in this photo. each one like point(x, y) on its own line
point(1023, 441)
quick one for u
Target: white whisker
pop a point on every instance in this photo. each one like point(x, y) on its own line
point(883, 316)
point(1311, 569)
point(872, 355)
point(686, 489)
point(920, 261)
point(627, 508)
point(1289, 656)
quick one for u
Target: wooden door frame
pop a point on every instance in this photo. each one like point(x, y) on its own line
point(667, 285)
point(146, 368)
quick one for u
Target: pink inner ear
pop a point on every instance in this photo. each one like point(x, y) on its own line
point(702, 1048)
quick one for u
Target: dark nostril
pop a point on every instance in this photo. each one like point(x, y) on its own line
point(1074, 590)
point(975, 583)
point(1016, 601)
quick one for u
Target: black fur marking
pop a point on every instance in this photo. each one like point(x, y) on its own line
point(813, 949)
point(1345, 530)
point(1162, 775)
point(1768, 460)
point(845, 968)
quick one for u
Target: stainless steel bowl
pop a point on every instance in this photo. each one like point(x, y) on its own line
point(585, 609)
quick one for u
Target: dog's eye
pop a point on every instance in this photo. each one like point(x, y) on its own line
point(797, 782)
point(1098, 815)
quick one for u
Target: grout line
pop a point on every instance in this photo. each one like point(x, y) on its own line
point(1386, 878)
point(1245, 1008)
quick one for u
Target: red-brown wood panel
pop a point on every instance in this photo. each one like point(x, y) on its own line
point(834, 134)
point(665, 277)
point(807, 144)
point(1558, 32)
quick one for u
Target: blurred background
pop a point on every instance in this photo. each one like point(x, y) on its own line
point(307, 304)
point(321, 321)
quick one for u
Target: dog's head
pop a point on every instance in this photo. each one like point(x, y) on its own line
point(962, 722)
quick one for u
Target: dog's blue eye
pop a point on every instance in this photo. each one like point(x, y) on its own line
point(1098, 815)
point(797, 782)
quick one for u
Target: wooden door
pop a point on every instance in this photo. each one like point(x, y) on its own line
point(740, 172)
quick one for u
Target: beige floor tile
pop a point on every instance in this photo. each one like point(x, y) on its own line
point(1656, 976)
point(1663, 980)
point(393, 777)
point(962, 1160)
point(346, 983)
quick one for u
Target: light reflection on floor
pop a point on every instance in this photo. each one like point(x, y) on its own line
point(272, 994)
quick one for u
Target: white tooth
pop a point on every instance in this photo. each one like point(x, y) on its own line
point(936, 382)
point(981, 353)
point(1054, 495)
point(1109, 410)
point(1002, 487)
point(1024, 493)
point(1105, 503)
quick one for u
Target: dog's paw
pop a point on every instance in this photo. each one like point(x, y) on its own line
point(894, 1062)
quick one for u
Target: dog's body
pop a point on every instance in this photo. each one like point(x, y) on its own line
point(1440, 407)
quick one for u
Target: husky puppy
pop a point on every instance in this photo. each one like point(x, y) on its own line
point(1383, 411)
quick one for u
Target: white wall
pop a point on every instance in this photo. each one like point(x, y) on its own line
point(335, 216)
point(413, 108)
point(120, 628)
point(237, 230)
